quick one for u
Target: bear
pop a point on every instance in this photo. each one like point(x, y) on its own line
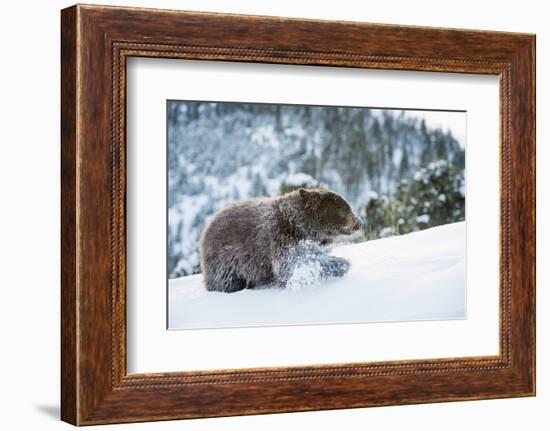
point(259, 241)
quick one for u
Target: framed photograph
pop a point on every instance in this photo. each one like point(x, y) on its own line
point(265, 214)
point(321, 189)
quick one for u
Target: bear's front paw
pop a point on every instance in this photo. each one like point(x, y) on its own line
point(335, 266)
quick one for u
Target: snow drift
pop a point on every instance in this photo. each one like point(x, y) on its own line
point(418, 276)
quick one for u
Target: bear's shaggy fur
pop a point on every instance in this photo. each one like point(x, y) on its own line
point(259, 241)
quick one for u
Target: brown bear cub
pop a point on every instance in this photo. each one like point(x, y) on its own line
point(260, 241)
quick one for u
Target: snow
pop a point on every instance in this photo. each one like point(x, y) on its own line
point(424, 218)
point(371, 194)
point(418, 276)
point(387, 231)
point(299, 179)
point(306, 274)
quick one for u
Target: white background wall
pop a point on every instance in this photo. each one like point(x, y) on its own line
point(29, 214)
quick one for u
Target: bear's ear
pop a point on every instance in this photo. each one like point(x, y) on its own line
point(303, 192)
point(311, 198)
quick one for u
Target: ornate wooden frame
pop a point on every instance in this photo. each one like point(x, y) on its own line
point(95, 43)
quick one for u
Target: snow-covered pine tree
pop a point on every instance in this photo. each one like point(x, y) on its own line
point(432, 197)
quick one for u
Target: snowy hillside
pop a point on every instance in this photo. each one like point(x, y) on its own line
point(221, 153)
point(418, 276)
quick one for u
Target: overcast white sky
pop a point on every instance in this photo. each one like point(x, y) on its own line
point(452, 121)
point(446, 120)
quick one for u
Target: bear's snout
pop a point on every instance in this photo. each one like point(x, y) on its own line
point(358, 224)
point(353, 225)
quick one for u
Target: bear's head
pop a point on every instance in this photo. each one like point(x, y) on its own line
point(326, 214)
